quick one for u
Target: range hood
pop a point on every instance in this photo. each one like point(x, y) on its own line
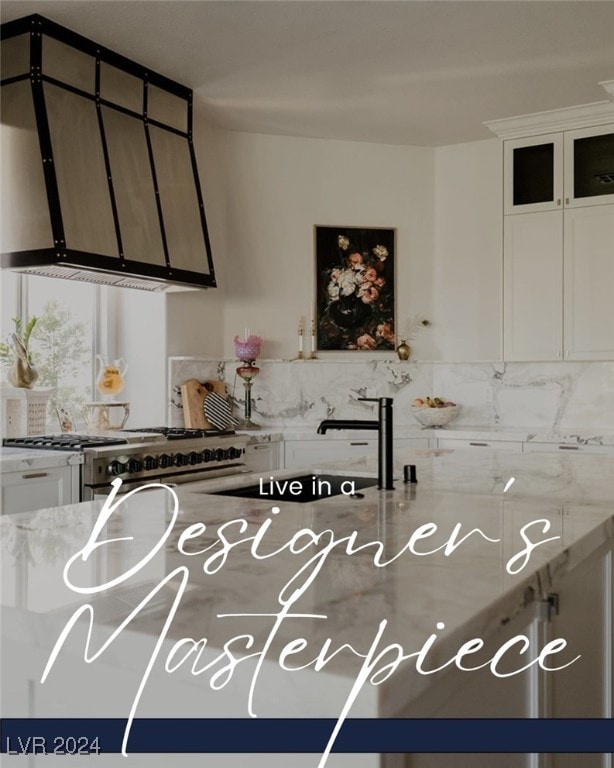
point(99, 179)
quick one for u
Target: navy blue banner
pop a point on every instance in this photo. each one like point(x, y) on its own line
point(205, 735)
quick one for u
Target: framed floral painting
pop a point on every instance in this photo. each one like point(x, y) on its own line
point(355, 288)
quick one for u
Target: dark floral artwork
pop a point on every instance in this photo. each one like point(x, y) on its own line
point(355, 288)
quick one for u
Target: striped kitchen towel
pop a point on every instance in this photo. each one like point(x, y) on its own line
point(217, 410)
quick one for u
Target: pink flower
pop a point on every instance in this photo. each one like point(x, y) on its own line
point(368, 293)
point(369, 275)
point(354, 260)
point(384, 331)
point(365, 342)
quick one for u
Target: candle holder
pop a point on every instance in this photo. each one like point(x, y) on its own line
point(248, 371)
point(247, 351)
point(312, 354)
point(299, 354)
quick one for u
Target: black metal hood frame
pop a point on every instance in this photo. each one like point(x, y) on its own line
point(63, 260)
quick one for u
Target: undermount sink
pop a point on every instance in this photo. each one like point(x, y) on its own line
point(301, 488)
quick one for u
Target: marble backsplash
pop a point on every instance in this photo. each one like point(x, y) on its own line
point(557, 396)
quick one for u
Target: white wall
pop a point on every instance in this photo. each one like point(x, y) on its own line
point(468, 252)
point(278, 188)
point(142, 318)
point(264, 195)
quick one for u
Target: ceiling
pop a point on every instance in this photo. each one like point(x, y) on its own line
point(424, 72)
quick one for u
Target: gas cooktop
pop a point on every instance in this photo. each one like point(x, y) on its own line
point(63, 442)
point(69, 441)
point(183, 433)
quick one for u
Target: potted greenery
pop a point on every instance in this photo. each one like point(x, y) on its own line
point(22, 372)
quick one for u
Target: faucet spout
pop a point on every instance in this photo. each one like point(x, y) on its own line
point(346, 424)
point(383, 426)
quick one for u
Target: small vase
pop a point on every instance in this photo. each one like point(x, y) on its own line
point(404, 351)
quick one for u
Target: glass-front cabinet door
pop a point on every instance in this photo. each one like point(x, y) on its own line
point(534, 173)
point(589, 166)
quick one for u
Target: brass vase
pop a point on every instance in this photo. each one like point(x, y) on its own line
point(404, 351)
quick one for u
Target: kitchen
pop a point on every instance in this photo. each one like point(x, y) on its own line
point(449, 226)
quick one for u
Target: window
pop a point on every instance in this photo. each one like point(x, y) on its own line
point(63, 341)
point(77, 321)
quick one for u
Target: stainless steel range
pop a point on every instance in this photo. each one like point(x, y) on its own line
point(157, 454)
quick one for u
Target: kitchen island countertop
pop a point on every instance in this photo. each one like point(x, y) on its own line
point(468, 591)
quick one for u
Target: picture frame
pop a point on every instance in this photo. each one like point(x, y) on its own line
point(355, 288)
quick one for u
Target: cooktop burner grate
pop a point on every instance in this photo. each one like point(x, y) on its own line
point(64, 442)
point(181, 433)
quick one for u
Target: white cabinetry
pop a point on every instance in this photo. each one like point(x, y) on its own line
point(559, 246)
point(578, 609)
point(263, 457)
point(308, 453)
point(588, 320)
point(535, 447)
point(565, 169)
point(312, 453)
point(28, 490)
point(533, 282)
point(493, 445)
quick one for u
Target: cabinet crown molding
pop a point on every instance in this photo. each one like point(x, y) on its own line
point(553, 120)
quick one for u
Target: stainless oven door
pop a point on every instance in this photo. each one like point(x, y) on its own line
point(91, 492)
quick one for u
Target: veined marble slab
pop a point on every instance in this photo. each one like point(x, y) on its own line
point(566, 398)
point(17, 459)
point(349, 601)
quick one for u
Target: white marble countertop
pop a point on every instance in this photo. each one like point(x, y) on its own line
point(18, 459)
point(349, 601)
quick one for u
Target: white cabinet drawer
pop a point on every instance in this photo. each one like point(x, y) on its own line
point(493, 445)
point(262, 457)
point(26, 491)
point(567, 448)
point(305, 453)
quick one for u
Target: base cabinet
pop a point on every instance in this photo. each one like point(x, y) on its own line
point(493, 445)
point(533, 447)
point(312, 453)
point(583, 689)
point(580, 611)
point(26, 491)
point(263, 457)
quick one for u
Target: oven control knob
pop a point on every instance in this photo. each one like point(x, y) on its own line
point(196, 458)
point(166, 461)
point(134, 465)
point(235, 453)
point(150, 462)
point(219, 455)
point(207, 455)
point(181, 460)
point(116, 468)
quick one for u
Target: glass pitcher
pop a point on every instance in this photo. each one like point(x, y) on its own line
point(110, 377)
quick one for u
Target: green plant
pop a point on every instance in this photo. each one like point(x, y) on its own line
point(7, 353)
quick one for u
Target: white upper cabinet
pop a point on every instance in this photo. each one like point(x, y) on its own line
point(558, 238)
point(589, 283)
point(533, 174)
point(533, 286)
point(567, 169)
point(589, 166)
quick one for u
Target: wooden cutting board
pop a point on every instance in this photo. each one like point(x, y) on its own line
point(193, 394)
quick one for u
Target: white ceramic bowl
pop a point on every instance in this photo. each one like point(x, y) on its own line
point(435, 417)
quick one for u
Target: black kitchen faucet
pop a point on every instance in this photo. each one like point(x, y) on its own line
point(383, 425)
